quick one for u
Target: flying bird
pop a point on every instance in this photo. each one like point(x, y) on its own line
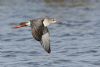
point(40, 31)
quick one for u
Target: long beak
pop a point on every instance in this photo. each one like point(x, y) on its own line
point(58, 22)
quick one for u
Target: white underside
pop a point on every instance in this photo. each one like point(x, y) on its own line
point(28, 23)
point(45, 22)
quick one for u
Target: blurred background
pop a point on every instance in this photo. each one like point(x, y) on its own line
point(75, 42)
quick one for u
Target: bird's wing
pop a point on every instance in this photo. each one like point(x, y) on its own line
point(41, 33)
point(45, 41)
point(37, 34)
point(37, 31)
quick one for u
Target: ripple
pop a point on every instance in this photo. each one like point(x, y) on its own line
point(12, 34)
point(9, 55)
point(81, 53)
point(62, 61)
point(13, 23)
point(64, 24)
point(72, 34)
point(1, 35)
point(96, 63)
point(32, 63)
point(14, 53)
point(58, 41)
point(63, 51)
point(75, 38)
point(71, 23)
point(24, 39)
point(7, 40)
point(91, 62)
point(67, 34)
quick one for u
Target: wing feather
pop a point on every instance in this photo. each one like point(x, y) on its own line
point(37, 29)
point(41, 33)
point(37, 33)
point(45, 41)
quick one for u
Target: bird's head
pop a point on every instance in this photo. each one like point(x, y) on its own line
point(23, 24)
point(48, 21)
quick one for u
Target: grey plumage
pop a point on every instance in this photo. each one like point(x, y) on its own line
point(41, 33)
point(45, 41)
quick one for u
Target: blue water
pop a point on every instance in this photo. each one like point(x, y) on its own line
point(75, 42)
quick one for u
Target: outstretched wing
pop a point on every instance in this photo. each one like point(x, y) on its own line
point(45, 41)
point(37, 29)
point(41, 33)
point(37, 33)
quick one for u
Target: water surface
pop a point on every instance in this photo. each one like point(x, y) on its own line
point(75, 42)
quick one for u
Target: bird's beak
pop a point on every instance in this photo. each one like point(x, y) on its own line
point(58, 22)
point(22, 24)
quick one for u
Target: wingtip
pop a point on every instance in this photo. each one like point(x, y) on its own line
point(49, 51)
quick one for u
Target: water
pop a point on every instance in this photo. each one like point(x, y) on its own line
point(75, 42)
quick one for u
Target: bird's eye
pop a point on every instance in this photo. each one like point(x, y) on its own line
point(53, 19)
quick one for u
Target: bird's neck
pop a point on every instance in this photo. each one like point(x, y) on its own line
point(46, 22)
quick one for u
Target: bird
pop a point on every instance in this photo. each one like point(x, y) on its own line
point(40, 31)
